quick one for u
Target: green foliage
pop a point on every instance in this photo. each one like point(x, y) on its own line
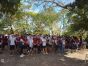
point(18, 16)
point(78, 16)
point(9, 6)
point(44, 19)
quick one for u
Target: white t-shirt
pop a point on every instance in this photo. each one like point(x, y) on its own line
point(63, 41)
point(44, 42)
point(30, 41)
point(12, 40)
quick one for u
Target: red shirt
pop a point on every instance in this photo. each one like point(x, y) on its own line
point(5, 40)
point(38, 41)
point(35, 40)
point(26, 42)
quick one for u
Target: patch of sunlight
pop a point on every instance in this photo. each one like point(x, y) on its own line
point(78, 55)
point(62, 59)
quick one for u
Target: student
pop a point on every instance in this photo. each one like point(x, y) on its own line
point(44, 45)
point(56, 43)
point(21, 47)
point(30, 43)
point(39, 42)
point(80, 42)
point(25, 50)
point(12, 43)
point(17, 41)
point(49, 43)
point(0, 43)
point(35, 44)
point(72, 45)
point(76, 42)
point(4, 41)
point(61, 45)
point(84, 44)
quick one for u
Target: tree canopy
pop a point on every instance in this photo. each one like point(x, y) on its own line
point(9, 6)
point(78, 14)
point(16, 13)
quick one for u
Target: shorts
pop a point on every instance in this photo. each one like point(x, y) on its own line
point(25, 46)
point(48, 45)
point(43, 46)
point(0, 46)
point(12, 47)
point(35, 46)
point(30, 48)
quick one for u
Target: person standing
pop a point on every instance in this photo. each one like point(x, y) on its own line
point(12, 43)
point(30, 43)
point(61, 44)
point(44, 45)
point(21, 47)
point(4, 41)
point(0, 43)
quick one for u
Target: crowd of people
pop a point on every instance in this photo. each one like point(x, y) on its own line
point(33, 44)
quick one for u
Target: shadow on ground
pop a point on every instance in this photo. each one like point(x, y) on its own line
point(52, 59)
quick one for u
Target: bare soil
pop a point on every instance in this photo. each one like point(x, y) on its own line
point(52, 59)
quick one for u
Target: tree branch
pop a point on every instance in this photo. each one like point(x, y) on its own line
point(57, 4)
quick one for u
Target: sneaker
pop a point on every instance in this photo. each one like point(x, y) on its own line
point(2, 61)
point(46, 53)
point(22, 55)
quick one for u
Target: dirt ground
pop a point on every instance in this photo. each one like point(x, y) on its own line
point(52, 59)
